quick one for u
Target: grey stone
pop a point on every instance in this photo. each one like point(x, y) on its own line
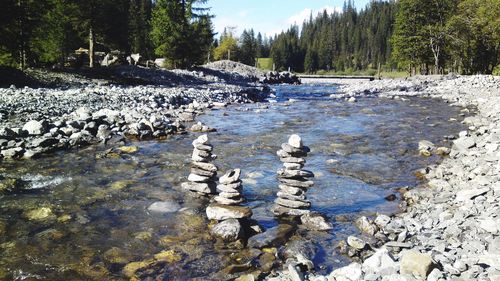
point(223, 212)
point(416, 263)
point(34, 127)
point(356, 242)
point(164, 207)
point(295, 141)
point(231, 176)
point(228, 230)
point(272, 237)
point(314, 221)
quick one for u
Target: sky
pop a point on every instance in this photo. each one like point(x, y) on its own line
point(269, 16)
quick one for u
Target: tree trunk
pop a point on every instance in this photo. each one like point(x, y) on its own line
point(91, 48)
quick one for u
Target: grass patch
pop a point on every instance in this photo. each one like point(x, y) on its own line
point(265, 63)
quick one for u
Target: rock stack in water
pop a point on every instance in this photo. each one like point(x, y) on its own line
point(203, 173)
point(231, 218)
point(294, 181)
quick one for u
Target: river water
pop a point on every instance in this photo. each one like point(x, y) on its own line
point(80, 216)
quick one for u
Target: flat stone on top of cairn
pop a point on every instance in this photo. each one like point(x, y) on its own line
point(231, 217)
point(294, 181)
point(203, 173)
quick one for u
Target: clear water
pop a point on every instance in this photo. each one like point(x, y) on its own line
point(361, 152)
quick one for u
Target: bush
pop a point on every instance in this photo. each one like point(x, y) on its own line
point(496, 70)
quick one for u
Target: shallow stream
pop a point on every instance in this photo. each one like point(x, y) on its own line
point(83, 217)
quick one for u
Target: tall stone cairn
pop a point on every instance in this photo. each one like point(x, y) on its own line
point(231, 218)
point(202, 178)
point(294, 181)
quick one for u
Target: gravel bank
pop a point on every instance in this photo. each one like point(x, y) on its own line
point(449, 228)
point(82, 111)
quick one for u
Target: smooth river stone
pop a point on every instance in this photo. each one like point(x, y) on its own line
point(224, 212)
point(198, 187)
point(204, 147)
point(233, 187)
point(295, 141)
point(284, 173)
point(291, 189)
point(164, 207)
point(297, 183)
point(290, 149)
point(288, 196)
point(201, 153)
point(279, 210)
point(231, 176)
point(293, 160)
point(204, 173)
point(273, 237)
point(283, 154)
point(203, 139)
point(228, 201)
point(293, 166)
point(204, 166)
point(228, 230)
point(197, 158)
point(198, 178)
point(295, 204)
point(230, 195)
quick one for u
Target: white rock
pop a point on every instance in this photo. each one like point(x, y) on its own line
point(380, 260)
point(295, 141)
point(351, 272)
point(34, 127)
point(468, 194)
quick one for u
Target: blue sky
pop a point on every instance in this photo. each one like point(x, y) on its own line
point(269, 16)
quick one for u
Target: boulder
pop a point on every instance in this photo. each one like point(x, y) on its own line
point(164, 207)
point(314, 221)
point(415, 263)
point(366, 226)
point(35, 128)
point(228, 230)
point(275, 236)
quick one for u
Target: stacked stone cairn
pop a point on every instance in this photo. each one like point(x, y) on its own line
point(294, 181)
point(231, 218)
point(203, 174)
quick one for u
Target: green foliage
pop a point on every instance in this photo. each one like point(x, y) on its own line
point(265, 63)
point(179, 34)
point(248, 47)
point(339, 41)
point(228, 47)
point(496, 70)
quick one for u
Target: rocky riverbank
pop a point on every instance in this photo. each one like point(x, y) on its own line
point(449, 228)
point(80, 110)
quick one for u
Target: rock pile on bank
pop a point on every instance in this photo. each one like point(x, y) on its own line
point(449, 230)
point(294, 181)
point(203, 174)
point(37, 121)
point(274, 77)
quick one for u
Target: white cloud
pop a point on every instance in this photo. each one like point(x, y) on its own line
point(306, 13)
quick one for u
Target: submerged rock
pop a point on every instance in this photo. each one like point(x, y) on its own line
point(41, 214)
point(229, 230)
point(315, 221)
point(164, 207)
point(272, 237)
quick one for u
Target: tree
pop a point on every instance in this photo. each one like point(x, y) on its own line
point(56, 36)
point(228, 46)
point(139, 26)
point(248, 47)
point(475, 33)
point(175, 25)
